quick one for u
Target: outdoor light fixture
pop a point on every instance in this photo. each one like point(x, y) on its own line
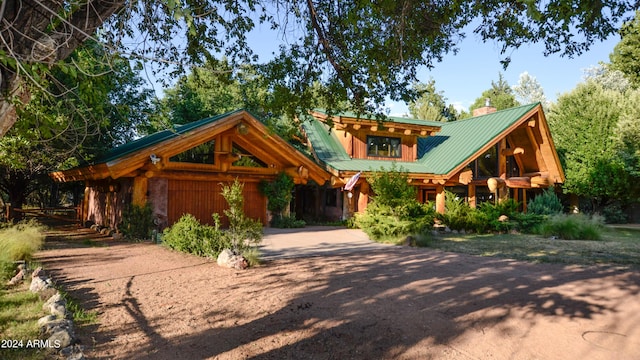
point(154, 159)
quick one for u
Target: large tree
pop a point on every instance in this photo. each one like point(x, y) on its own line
point(594, 129)
point(103, 107)
point(626, 54)
point(528, 91)
point(500, 96)
point(361, 51)
point(431, 104)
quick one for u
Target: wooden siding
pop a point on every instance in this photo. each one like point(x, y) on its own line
point(203, 198)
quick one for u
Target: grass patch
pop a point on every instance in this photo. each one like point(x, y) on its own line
point(81, 317)
point(616, 247)
point(19, 313)
point(18, 242)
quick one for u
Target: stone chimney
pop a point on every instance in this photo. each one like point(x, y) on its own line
point(487, 109)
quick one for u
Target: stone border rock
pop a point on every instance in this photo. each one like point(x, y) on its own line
point(56, 329)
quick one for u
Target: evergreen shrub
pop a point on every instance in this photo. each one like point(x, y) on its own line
point(546, 203)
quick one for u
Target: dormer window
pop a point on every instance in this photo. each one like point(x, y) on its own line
point(384, 146)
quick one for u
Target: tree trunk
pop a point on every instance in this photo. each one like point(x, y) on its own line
point(33, 33)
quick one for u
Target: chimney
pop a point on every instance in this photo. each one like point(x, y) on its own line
point(487, 109)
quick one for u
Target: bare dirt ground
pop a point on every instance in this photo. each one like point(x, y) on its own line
point(385, 303)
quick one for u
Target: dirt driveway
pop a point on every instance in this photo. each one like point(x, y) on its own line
point(376, 303)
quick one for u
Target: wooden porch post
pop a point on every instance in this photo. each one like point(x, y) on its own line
point(472, 196)
point(440, 208)
point(140, 187)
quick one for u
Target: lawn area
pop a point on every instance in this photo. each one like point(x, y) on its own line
point(619, 246)
point(20, 310)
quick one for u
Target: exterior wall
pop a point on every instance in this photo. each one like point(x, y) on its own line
point(204, 198)
point(106, 200)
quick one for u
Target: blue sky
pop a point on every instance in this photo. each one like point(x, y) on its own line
point(464, 76)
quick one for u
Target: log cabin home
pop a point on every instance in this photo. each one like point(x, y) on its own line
point(492, 156)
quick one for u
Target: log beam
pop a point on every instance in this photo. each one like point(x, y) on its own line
point(512, 151)
point(495, 183)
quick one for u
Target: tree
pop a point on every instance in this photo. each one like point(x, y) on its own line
point(500, 96)
point(215, 89)
point(583, 122)
point(431, 104)
point(360, 51)
point(607, 77)
point(528, 91)
point(626, 54)
point(103, 110)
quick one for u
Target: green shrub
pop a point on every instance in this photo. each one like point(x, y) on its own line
point(243, 232)
point(572, 227)
point(137, 222)
point(392, 188)
point(189, 235)
point(382, 223)
point(18, 242)
point(546, 203)
point(614, 214)
point(278, 193)
point(529, 223)
point(287, 222)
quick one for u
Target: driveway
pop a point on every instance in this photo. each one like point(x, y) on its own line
point(315, 241)
point(357, 301)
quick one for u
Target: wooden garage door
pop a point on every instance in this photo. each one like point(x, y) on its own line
point(203, 198)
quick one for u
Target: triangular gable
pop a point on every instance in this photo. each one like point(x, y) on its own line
point(461, 142)
point(140, 154)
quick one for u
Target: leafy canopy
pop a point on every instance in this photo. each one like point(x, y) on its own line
point(357, 50)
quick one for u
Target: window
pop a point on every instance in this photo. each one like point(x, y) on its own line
point(201, 154)
point(486, 165)
point(383, 146)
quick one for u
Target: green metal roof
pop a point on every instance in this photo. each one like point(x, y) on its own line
point(439, 154)
point(158, 137)
point(457, 141)
point(396, 119)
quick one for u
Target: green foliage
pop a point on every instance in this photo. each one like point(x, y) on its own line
point(18, 242)
point(501, 96)
point(382, 223)
point(190, 236)
point(626, 54)
point(287, 222)
point(529, 223)
point(394, 212)
point(546, 203)
point(243, 232)
point(596, 164)
point(278, 193)
point(20, 310)
point(572, 227)
point(137, 222)
point(431, 104)
point(391, 187)
point(614, 214)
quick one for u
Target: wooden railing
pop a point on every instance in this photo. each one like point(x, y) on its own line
point(69, 214)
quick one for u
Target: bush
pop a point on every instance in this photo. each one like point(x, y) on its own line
point(547, 203)
point(382, 223)
point(529, 223)
point(137, 222)
point(189, 235)
point(572, 227)
point(243, 232)
point(18, 242)
point(278, 193)
point(287, 222)
point(614, 214)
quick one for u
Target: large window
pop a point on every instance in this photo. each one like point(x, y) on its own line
point(201, 154)
point(486, 165)
point(383, 146)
